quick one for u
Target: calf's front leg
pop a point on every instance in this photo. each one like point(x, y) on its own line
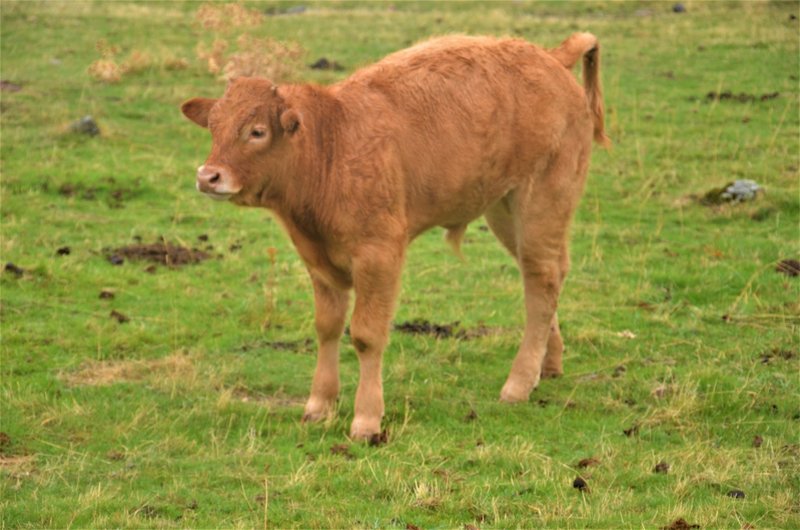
point(376, 279)
point(330, 305)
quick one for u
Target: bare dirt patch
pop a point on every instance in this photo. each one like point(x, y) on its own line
point(741, 97)
point(588, 462)
point(680, 524)
point(108, 191)
point(342, 450)
point(17, 465)
point(8, 86)
point(162, 252)
point(379, 439)
point(454, 330)
point(296, 346)
point(789, 267)
point(105, 373)
point(778, 354)
point(14, 269)
point(277, 400)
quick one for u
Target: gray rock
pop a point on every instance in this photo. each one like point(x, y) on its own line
point(85, 125)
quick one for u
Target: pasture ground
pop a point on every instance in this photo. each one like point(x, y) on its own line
point(139, 395)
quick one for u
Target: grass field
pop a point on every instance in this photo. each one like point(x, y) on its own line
point(137, 395)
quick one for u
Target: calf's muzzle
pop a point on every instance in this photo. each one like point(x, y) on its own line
point(216, 182)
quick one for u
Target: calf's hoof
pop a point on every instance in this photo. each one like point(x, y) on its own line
point(551, 372)
point(317, 410)
point(364, 429)
point(514, 392)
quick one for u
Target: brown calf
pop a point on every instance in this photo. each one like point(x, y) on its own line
point(434, 135)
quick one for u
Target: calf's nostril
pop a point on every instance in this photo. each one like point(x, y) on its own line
point(214, 179)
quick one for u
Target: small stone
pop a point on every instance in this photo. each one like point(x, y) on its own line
point(679, 8)
point(85, 125)
point(116, 260)
point(736, 494)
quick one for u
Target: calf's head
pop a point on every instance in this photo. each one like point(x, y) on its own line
point(250, 128)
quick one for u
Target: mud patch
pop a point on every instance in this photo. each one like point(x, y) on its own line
point(5, 441)
point(119, 317)
point(633, 430)
point(342, 450)
point(777, 354)
point(587, 462)
point(471, 415)
point(580, 484)
point(106, 373)
point(443, 331)
point(296, 346)
point(13, 269)
point(18, 465)
point(324, 64)
point(277, 400)
point(741, 97)
point(8, 86)
point(107, 191)
point(789, 267)
point(679, 524)
point(379, 439)
point(661, 467)
point(161, 252)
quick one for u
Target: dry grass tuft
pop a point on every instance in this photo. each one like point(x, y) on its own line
point(104, 373)
point(265, 57)
point(105, 70)
point(215, 57)
point(216, 17)
point(108, 70)
point(251, 56)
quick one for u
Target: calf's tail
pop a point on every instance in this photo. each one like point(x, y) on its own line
point(585, 45)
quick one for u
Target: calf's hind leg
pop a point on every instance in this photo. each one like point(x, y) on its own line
point(501, 222)
point(542, 211)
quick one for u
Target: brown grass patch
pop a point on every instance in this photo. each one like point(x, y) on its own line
point(275, 60)
point(105, 373)
point(277, 400)
point(224, 17)
point(17, 464)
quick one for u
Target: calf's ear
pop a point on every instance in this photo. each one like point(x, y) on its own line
point(197, 110)
point(290, 120)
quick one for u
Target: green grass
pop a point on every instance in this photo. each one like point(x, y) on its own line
point(188, 414)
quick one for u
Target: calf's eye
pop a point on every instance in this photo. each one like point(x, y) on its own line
point(258, 133)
